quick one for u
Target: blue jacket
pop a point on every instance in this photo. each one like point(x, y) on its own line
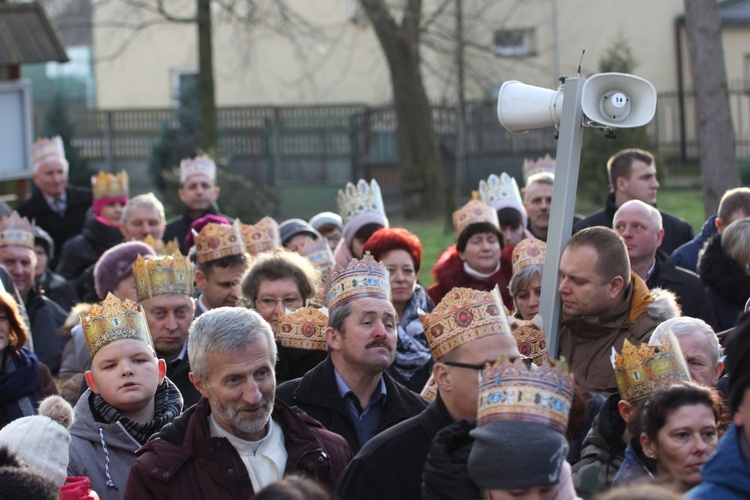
point(686, 255)
point(725, 475)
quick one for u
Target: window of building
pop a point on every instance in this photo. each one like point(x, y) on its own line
point(514, 43)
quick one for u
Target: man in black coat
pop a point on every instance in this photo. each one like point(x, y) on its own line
point(632, 176)
point(56, 207)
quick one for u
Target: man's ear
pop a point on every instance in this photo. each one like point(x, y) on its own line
point(181, 192)
point(200, 279)
point(199, 384)
point(625, 410)
point(162, 367)
point(620, 184)
point(616, 285)
point(90, 381)
point(718, 371)
point(719, 225)
point(659, 237)
point(442, 377)
point(217, 191)
point(333, 339)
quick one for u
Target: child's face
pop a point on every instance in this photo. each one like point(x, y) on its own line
point(126, 374)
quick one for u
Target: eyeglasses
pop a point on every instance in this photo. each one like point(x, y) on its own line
point(525, 359)
point(291, 303)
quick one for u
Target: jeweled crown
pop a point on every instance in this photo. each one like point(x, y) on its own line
point(474, 212)
point(463, 315)
point(499, 192)
point(319, 253)
point(172, 247)
point(531, 341)
point(510, 392)
point(16, 230)
point(106, 185)
point(360, 279)
point(262, 237)
point(114, 320)
point(358, 199)
point(200, 165)
point(305, 329)
point(527, 252)
point(640, 370)
point(45, 149)
point(218, 240)
point(544, 165)
point(163, 275)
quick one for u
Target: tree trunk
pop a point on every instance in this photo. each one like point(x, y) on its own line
point(206, 95)
point(716, 149)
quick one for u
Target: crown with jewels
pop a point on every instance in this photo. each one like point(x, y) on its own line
point(106, 185)
point(200, 165)
point(45, 149)
point(640, 370)
point(527, 252)
point(501, 192)
point(544, 165)
point(263, 237)
point(163, 275)
point(531, 341)
point(463, 315)
point(360, 199)
point(361, 278)
point(114, 320)
point(319, 253)
point(510, 392)
point(430, 389)
point(172, 247)
point(218, 240)
point(16, 230)
point(303, 329)
point(474, 212)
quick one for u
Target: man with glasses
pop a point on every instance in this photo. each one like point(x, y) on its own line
point(465, 331)
point(351, 393)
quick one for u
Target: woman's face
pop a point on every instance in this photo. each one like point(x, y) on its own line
point(527, 300)
point(112, 213)
point(125, 289)
point(683, 445)
point(402, 275)
point(535, 493)
point(512, 236)
point(482, 252)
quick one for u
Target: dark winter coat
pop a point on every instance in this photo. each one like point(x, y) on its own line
point(179, 374)
point(686, 255)
point(179, 227)
point(58, 290)
point(295, 363)
point(184, 462)
point(46, 318)
point(445, 471)
point(635, 466)
point(676, 231)
point(318, 395)
point(59, 228)
point(449, 273)
point(727, 284)
point(390, 464)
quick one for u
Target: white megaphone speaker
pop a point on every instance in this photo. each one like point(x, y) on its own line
point(522, 107)
point(618, 100)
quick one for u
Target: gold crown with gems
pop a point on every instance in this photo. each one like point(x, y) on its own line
point(163, 275)
point(358, 199)
point(361, 278)
point(262, 237)
point(319, 253)
point(474, 212)
point(171, 248)
point(16, 230)
point(527, 252)
point(304, 328)
point(218, 240)
point(200, 165)
point(45, 149)
point(114, 320)
point(544, 165)
point(501, 191)
point(531, 341)
point(106, 185)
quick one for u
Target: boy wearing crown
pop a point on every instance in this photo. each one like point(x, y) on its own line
point(128, 399)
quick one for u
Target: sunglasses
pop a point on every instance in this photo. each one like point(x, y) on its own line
point(525, 359)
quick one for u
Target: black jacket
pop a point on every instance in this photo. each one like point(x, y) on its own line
point(687, 286)
point(46, 318)
point(179, 374)
point(446, 473)
point(390, 464)
point(318, 395)
point(179, 227)
point(727, 284)
point(676, 231)
point(58, 290)
point(60, 229)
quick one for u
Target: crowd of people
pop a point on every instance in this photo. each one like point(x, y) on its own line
point(204, 357)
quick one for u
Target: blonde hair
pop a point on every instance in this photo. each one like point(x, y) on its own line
point(735, 241)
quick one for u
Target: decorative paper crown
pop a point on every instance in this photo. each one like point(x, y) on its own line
point(200, 165)
point(16, 230)
point(544, 165)
point(361, 278)
point(113, 320)
point(463, 315)
point(430, 389)
point(531, 341)
point(218, 240)
point(474, 212)
point(527, 252)
point(47, 149)
point(303, 329)
point(319, 253)
point(500, 192)
point(106, 185)
point(360, 199)
point(640, 370)
point(171, 248)
point(163, 275)
point(510, 392)
point(262, 237)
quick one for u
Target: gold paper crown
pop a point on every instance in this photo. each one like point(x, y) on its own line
point(640, 370)
point(47, 149)
point(263, 237)
point(106, 185)
point(113, 320)
point(527, 252)
point(319, 253)
point(200, 165)
point(531, 341)
point(171, 248)
point(474, 212)
point(360, 199)
point(303, 329)
point(16, 230)
point(510, 392)
point(218, 240)
point(500, 192)
point(430, 389)
point(463, 315)
point(361, 278)
point(544, 165)
point(163, 275)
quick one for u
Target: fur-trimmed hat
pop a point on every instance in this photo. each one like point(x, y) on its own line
point(116, 264)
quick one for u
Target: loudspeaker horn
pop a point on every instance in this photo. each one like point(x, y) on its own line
point(618, 100)
point(522, 107)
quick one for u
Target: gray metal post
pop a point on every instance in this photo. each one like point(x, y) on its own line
point(563, 207)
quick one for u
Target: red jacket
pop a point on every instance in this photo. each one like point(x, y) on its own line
point(183, 461)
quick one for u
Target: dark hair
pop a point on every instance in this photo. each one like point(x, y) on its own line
point(734, 200)
point(224, 262)
point(610, 248)
point(293, 488)
point(509, 217)
point(478, 228)
point(363, 233)
point(666, 400)
point(278, 265)
point(18, 333)
point(619, 165)
point(385, 240)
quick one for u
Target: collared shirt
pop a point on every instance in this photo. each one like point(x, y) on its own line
point(52, 202)
point(367, 420)
point(180, 356)
point(650, 271)
point(201, 306)
point(265, 460)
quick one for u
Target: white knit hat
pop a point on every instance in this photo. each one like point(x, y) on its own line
point(42, 442)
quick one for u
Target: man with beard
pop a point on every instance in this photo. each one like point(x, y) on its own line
point(238, 438)
point(350, 392)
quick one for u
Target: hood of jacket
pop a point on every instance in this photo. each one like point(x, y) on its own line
point(101, 236)
point(445, 471)
point(723, 275)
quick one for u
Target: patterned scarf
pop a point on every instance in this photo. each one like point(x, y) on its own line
point(412, 352)
point(19, 382)
point(167, 406)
